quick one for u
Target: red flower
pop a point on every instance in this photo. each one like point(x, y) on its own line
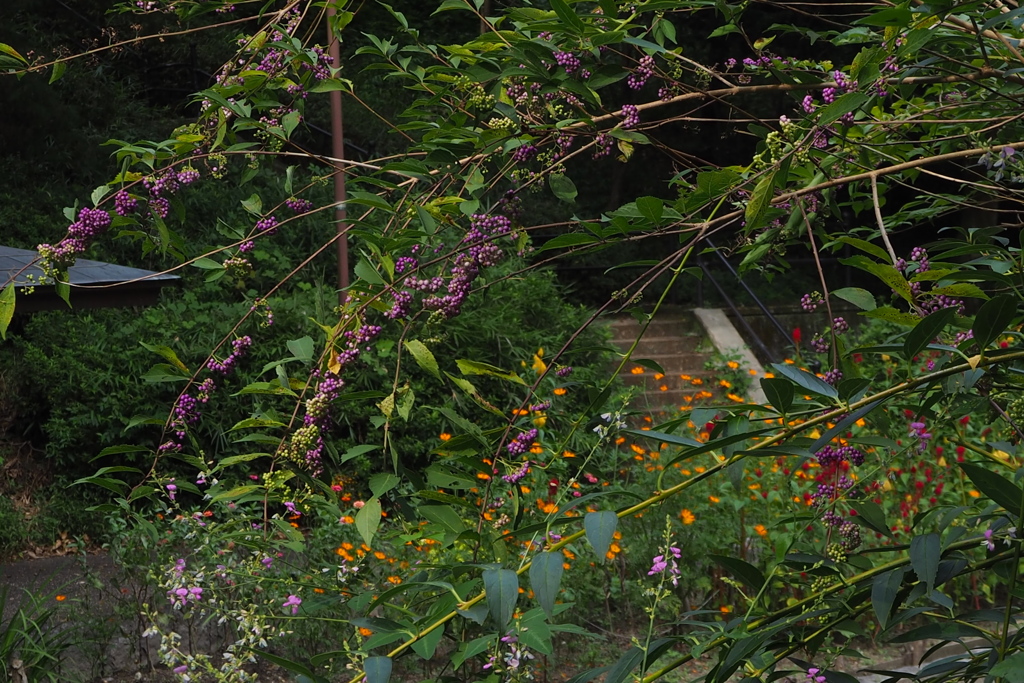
point(797, 336)
point(965, 419)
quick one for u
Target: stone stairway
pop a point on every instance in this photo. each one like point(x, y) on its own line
point(677, 342)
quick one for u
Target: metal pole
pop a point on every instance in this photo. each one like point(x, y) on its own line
point(338, 149)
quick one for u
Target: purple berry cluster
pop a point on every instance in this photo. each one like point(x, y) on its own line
point(524, 153)
point(630, 116)
point(603, 145)
point(519, 474)
point(521, 443)
point(267, 226)
point(644, 70)
point(239, 347)
point(839, 325)
point(91, 223)
point(830, 456)
point(563, 371)
point(567, 60)
point(811, 301)
point(820, 344)
point(298, 205)
point(833, 376)
point(124, 203)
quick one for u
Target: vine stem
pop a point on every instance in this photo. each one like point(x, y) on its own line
point(879, 220)
point(715, 469)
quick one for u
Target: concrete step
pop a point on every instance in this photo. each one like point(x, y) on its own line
point(672, 364)
point(672, 381)
point(629, 329)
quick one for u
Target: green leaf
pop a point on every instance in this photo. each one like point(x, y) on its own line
point(207, 264)
point(600, 528)
point(383, 482)
point(865, 246)
point(562, 187)
point(426, 646)
point(443, 515)
point(945, 631)
point(883, 594)
point(634, 657)
point(994, 316)
point(356, 451)
point(6, 309)
point(253, 205)
point(256, 422)
point(925, 552)
point(650, 208)
point(779, 393)
point(926, 331)
point(569, 239)
point(997, 488)
point(289, 122)
point(368, 519)
point(502, 587)
point(423, 357)
point(892, 315)
point(168, 354)
point(472, 367)
point(545, 579)
point(1010, 669)
point(63, 290)
point(377, 669)
point(745, 572)
point(301, 348)
point(759, 202)
point(843, 104)
point(10, 51)
point(871, 515)
point(236, 493)
point(861, 298)
point(806, 380)
point(287, 664)
point(364, 271)
point(568, 17)
point(662, 436)
point(162, 372)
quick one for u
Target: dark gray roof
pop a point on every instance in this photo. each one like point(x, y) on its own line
point(132, 286)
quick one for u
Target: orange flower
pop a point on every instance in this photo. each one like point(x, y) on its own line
point(637, 370)
point(395, 580)
point(318, 590)
point(365, 632)
point(761, 530)
point(725, 609)
point(725, 384)
point(732, 365)
point(444, 436)
point(560, 391)
point(696, 381)
point(658, 376)
point(568, 454)
point(519, 412)
point(61, 598)
point(663, 387)
point(714, 499)
point(347, 519)
point(687, 516)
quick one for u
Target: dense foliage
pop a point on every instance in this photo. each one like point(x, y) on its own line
point(301, 487)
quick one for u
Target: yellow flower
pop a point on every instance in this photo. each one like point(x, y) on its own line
point(687, 516)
